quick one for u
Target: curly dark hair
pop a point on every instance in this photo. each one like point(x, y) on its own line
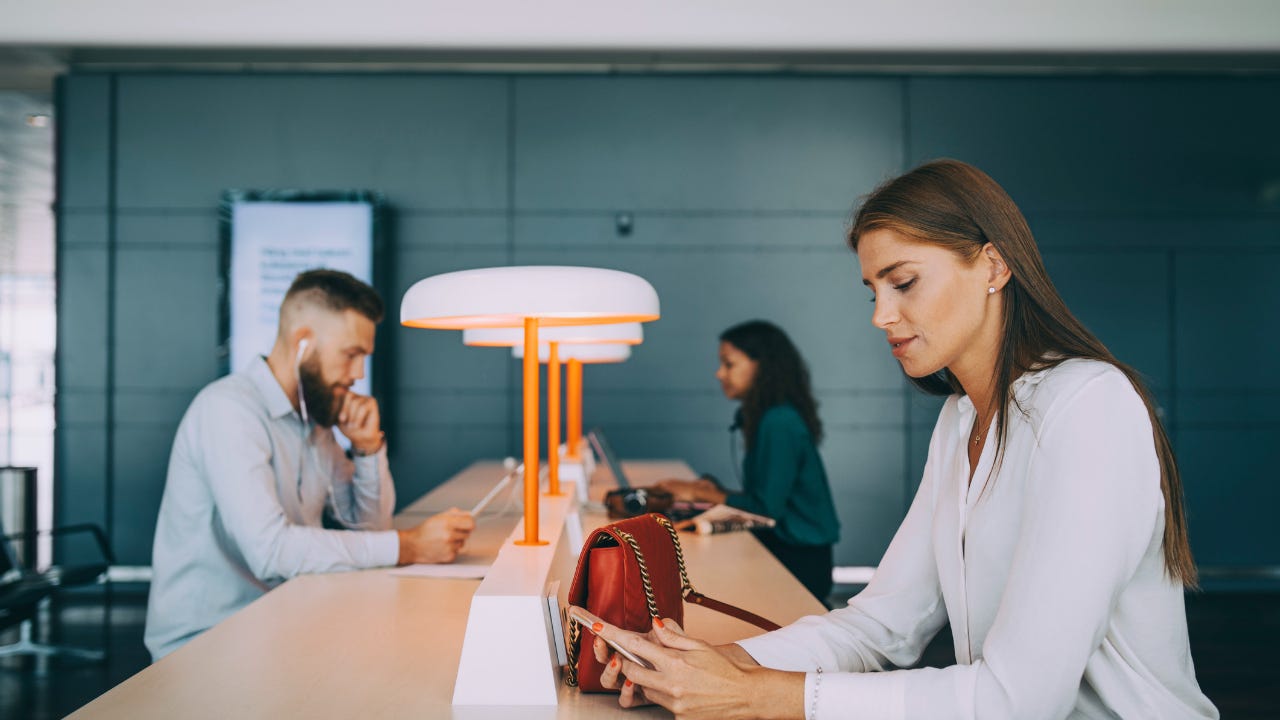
point(782, 376)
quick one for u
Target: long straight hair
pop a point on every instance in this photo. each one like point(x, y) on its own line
point(782, 376)
point(957, 206)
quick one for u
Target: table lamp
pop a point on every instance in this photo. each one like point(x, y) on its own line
point(529, 297)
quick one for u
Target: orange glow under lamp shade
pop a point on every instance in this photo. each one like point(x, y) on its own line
point(556, 295)
point(623, 333)
point(585, 354)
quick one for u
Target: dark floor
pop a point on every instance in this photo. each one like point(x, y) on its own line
point(1235, 640)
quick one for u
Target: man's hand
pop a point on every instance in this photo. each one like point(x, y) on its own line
point(360, 421)
point(438, 539)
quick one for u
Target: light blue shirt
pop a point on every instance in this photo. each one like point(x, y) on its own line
point(247, 489)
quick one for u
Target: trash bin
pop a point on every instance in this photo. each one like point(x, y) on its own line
point(18, 510)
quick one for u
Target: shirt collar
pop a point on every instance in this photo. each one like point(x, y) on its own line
point(278, 404)
point(1022, 388)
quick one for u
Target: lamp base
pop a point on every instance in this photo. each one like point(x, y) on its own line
point(510, 632)
point(575, 473)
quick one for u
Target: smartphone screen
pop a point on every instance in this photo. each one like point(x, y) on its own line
point(587, 619)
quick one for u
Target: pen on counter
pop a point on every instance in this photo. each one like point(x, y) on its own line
point(512, 469)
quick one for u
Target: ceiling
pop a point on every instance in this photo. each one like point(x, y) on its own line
point(38, 40)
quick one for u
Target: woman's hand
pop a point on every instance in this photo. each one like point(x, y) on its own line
point(695, 680)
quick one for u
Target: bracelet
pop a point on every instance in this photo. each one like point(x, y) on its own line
point(817, 683)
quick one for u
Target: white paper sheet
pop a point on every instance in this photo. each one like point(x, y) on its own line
point(465, 571)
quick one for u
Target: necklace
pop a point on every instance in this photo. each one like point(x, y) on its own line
point(977, 438)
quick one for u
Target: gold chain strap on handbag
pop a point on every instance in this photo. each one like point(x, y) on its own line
point(644, 573)
point(685, 586)
point(571, 651)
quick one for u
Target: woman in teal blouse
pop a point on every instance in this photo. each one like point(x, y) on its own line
point(782, 473)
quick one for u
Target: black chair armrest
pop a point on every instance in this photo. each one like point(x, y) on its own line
point(98, 535)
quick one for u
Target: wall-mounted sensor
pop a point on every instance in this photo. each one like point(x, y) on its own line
point(623, 222)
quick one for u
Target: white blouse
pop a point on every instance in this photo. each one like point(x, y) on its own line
point(1050, 571)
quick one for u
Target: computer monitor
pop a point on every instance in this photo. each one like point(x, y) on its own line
point(600, 446)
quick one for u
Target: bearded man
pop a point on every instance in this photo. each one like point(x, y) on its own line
point(255, 470)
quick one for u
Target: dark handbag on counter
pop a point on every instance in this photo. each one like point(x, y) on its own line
point(630, 502)
point(630, 572)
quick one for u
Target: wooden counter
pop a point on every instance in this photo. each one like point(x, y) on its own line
point(373, 645)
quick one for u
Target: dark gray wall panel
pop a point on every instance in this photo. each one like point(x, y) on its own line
point(82, 407)
point(1230, 407)
point(445, 230)
point(81, 484)
point(82, 317)
point(142, 460)
point(457, 406)
point(84, 133)
point(427, 142)
point(187, 228)
point(1155, 232)
point(1106, 144)
point(437, 359)
point(686, 143)
point(865, 468)
point(1228, 476)
point(423, 456)
point(1224, 302)
point(167, 318)
point(163, 408)
point(84, 229)
point(1123, 297)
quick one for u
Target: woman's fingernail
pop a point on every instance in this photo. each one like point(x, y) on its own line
point(613, 662)
point(628, 683)
point(658, 621)
point(597, 627)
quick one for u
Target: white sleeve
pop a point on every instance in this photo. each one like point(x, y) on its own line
point(362, 493)
point(236, 454)
point(888, 623)
point(1091, 512)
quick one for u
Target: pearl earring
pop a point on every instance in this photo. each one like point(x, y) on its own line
point(991, 291)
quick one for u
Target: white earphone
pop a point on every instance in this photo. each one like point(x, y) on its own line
point(297, 372)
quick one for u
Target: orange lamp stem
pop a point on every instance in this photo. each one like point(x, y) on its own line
point(553, 420)
point(531, 464)
point(574, 411)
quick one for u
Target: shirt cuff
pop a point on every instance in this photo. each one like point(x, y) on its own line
point(857, 696)
point(775, 653)
point(384, 547)
point(368, 467)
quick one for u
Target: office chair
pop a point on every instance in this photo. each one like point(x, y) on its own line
point(22, 590)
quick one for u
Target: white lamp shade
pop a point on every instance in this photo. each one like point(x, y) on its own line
point(586, 354)
point(506, 296)
point(623, 333)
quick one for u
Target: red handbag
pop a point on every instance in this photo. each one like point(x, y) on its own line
point(630, 572)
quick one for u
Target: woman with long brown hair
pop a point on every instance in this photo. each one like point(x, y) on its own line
point(1048, 529)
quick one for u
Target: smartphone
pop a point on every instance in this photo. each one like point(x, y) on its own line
point(587, 619)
